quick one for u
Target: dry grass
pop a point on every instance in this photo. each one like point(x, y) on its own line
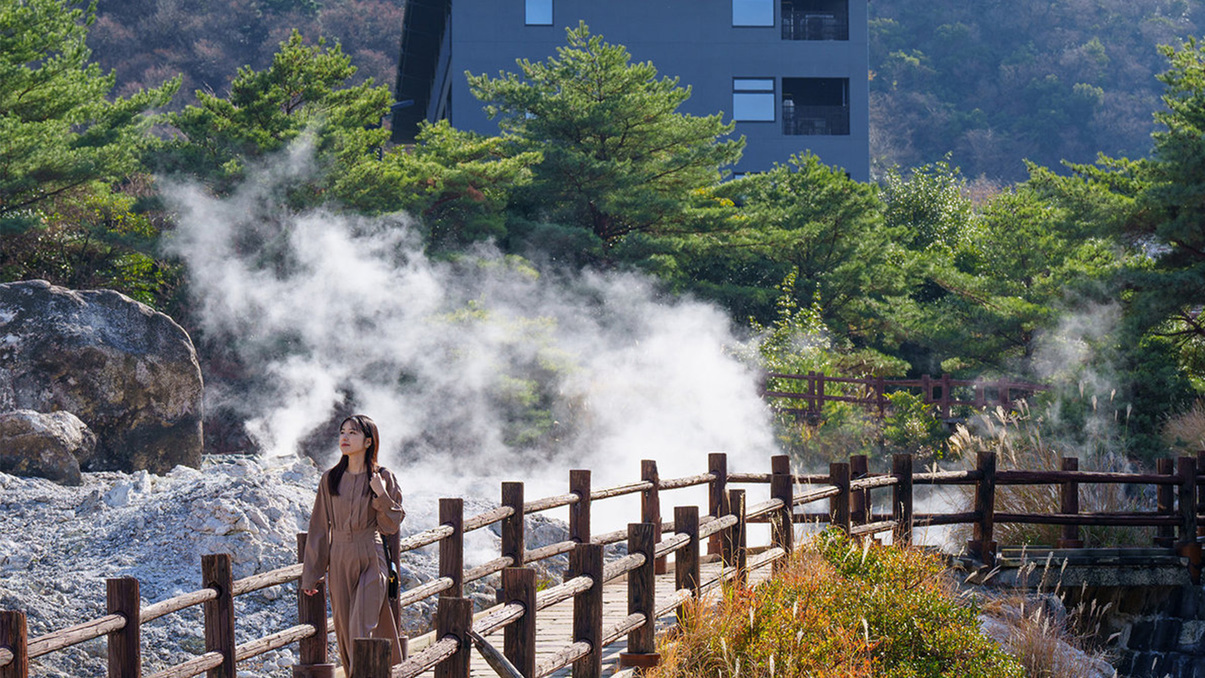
point(1050, 640)
point(1017, 440)
point(1186, 432)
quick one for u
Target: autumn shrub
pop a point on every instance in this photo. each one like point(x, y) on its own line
point(839, 609)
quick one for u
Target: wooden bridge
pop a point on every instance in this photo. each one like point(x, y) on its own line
point(584, 619)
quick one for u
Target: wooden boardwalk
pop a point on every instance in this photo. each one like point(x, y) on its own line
point(554, 625)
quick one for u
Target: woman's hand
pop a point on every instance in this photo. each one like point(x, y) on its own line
point(309, 592)
point(377, 485)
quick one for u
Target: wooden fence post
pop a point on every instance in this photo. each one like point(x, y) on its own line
point(838, 506)
point(1003, 397)
point(901, 499)
point(219, 613)
point(514, 545)
point(454, 617)
point(1069, 504)
point(14, 635)
point(782, 521)
point(587, 559)
point(579, 511)
point(519, 637)
point(1189, 547)
point(945, 396)
point(1200, 493)
point(451, 547)
point(859, 504)
point(717, 496)
point(370, 658)
point(642, 599)
point(650, 506)
point(686, 559)
point(1186, 468)
point(819, 395)
point(312, 651)
point(125, 647)
point(736, 503)
point(880, 396)
point(981, 544)
point(1165, 499)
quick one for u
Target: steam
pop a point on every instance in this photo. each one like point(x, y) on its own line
point(477, 369)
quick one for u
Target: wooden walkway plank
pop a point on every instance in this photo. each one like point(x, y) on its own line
point(554, 628)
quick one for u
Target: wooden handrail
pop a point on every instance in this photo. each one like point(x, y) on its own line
point(425, 590)
point(438, 652)
point(946, 477)
point(562, 592)
point(488, 518)
point(195, 666)
point(1056, 477)
point(688, 481)
point(74, 635)
point(550, 503)
point(486, 569)
point(631, 488)
point(1177, 514)
point(563, 657)
point(500, 616)
point(425, 538)
point(622, 566)
point(872, 482)
point(266, 579)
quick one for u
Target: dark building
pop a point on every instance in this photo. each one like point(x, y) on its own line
point(792, 73)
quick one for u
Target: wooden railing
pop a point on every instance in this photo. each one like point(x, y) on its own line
point(848, 488)
point(649, 542)
point(785, 390)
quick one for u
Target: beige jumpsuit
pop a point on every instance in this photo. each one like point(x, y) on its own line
point(343, 541)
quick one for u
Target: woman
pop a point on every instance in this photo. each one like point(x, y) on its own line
point(357, 498)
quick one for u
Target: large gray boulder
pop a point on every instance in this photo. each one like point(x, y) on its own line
point(128, 372)
point(50, 446)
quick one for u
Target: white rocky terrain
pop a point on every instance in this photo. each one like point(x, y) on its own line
point(58, 544)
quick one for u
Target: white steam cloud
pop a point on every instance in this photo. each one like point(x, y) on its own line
point(454, 358)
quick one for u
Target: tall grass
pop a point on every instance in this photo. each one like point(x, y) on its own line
point(1050, 640)
point(1185, 432)
point(1017, 440)
point(839, 609)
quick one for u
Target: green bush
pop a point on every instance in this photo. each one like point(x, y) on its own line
point(839, 609)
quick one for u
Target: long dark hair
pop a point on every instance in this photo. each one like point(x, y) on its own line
point(368, 427)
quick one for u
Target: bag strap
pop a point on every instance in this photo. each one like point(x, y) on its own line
point(388, 551)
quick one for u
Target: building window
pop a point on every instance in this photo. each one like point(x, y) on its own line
point(753, 99)
point(538, 13)
point(815, 106)
point(815, 19)
point(752, 12)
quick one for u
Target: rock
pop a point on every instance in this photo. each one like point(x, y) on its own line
point(51, 446)
point(128, 372)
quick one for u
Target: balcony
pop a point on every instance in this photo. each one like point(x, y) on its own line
point(817, 120)
point(815, 20)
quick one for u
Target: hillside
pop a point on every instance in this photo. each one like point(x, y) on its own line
point(148, 41)
point(995, 83)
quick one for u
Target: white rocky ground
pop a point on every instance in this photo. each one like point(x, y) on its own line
point(58, 545)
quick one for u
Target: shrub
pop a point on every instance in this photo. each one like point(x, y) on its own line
point(838, 609)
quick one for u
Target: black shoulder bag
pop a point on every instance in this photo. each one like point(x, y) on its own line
point(393, 577)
